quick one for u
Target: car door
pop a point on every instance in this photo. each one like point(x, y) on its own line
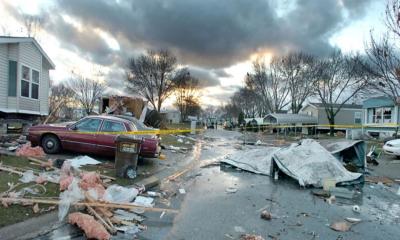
point(105, 142)
point(81, 136)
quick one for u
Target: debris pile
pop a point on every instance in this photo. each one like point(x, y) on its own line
point(104, 209)
point(308, 162)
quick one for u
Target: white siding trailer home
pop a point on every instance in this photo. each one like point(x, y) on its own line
point(24, 77)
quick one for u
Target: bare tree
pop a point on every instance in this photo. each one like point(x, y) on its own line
point(186, 92)
point(392, 16)
point(32, 24)
point(60, 97)
point(152, 76)
point(298, 70)
point(268, 83)
point(246, 100)
point(86, 91)
point(338, 80)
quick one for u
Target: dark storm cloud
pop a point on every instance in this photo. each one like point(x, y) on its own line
point(206, 77)
point(206, 33)
point(219, 32)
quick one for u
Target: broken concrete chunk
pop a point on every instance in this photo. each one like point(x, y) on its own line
point(266, 215)
point(340, 226)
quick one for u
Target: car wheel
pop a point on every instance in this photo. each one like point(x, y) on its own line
point(51, 144)
point(130, 172)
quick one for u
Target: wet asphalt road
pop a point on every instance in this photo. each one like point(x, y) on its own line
point(207, 211)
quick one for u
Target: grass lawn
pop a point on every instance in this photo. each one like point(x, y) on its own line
point(17, 213)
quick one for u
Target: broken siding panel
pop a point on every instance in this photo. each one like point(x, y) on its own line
point(29, 104)
point(3, 75)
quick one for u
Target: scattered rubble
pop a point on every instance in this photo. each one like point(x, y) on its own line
point(251, 237)
point(340, 226)
point(266, 215)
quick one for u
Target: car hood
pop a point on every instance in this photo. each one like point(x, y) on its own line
point(395, 142)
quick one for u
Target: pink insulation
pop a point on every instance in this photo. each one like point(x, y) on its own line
point(91, 180)
point(27, 151)
point(92, 228)
point(65, 182)
point(66, 176)
point(41, 180)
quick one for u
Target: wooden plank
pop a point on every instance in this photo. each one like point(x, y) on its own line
point(92, 204)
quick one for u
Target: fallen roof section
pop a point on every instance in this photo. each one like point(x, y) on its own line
point(310, 163)
point(253, 160)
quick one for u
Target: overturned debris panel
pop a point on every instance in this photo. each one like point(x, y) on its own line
point(253, 160)
point(310, 163)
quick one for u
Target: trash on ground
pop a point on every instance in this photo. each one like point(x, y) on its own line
point(127, 215)
point(27, 150)
point(251, 237)
point(379, 179)
point(79, 161)
point(340, 226)
point(266, 215)
point(182, 191)
point(231, 190)
point(342, 192)
point(239, 229)
point(331, 199)
point(28, 176)
point(310, 163)
point(353, 220)
point(356, 209)
point(180, 140)
point(116, 193)
point(144, 201)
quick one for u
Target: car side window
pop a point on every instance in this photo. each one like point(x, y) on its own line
point(88, 125)
point(110, 126)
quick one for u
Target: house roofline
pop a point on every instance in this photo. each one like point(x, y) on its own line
point(6, 39)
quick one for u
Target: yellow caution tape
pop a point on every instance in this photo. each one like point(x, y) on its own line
point(175, 131)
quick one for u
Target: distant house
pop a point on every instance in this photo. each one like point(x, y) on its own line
point(349, 114)
point(171, 116)
point(289, 119)
point(24, 77)
point(381, 116)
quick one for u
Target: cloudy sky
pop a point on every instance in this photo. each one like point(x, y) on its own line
point(216, 39)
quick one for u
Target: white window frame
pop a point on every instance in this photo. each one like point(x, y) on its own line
point(31, 82)
point(357, 115)
point(381, 115)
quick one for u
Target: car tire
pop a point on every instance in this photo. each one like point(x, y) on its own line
point(130, 172)
point(51, 144)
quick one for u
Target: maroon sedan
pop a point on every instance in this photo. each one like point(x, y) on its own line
point(55, 137)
